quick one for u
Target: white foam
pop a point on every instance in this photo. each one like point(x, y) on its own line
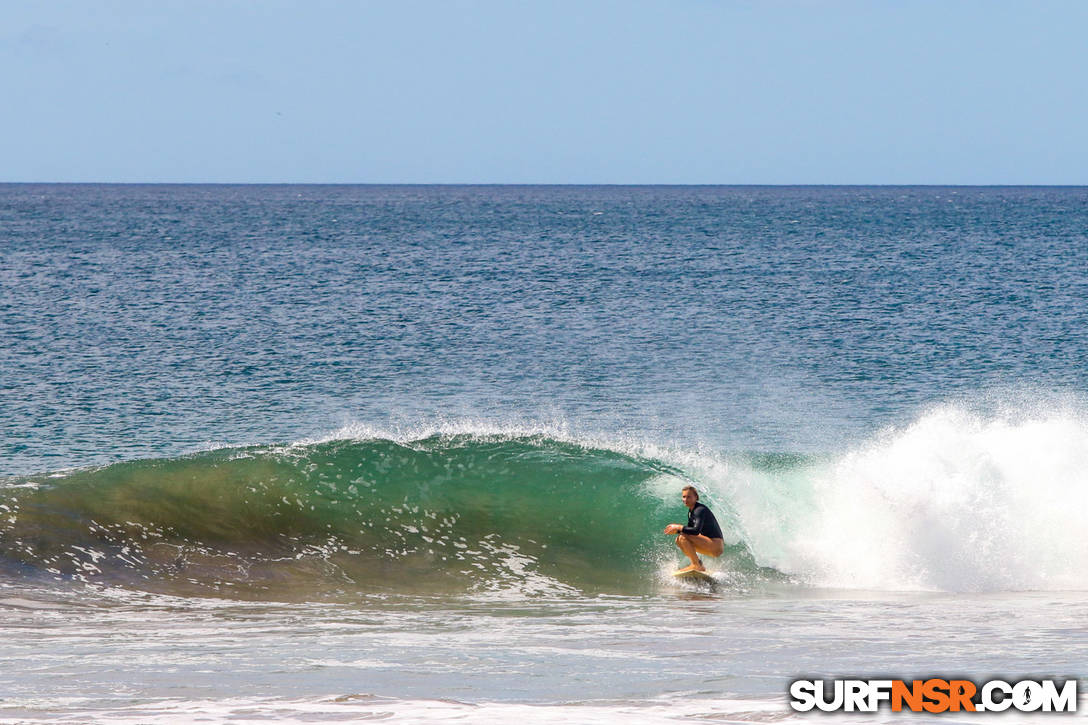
point(370, 707)
point(953, 502)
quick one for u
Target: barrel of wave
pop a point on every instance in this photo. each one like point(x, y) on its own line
point(457, 513)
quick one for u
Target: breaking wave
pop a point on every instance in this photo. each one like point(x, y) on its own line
point(953, 502)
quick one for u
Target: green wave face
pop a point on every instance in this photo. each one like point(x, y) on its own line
point(443, 514)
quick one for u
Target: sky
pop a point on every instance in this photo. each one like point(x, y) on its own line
point(552, 91)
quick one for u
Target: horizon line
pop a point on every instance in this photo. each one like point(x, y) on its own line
point(537, 184)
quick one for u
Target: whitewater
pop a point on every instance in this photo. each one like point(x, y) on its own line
point(299, 453)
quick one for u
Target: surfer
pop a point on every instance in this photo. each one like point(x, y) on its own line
point(702, 535)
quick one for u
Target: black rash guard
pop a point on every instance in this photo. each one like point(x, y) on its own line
point(701, 521)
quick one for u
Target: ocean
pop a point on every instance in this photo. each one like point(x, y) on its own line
point(327, 453)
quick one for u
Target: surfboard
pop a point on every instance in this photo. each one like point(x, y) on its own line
point(694, 575)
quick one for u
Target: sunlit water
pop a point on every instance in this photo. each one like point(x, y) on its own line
point(338, 453)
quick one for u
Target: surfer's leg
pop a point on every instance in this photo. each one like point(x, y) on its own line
point(707, 545)
point(687, 545)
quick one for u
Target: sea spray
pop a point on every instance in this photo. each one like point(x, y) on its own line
point(953, 502)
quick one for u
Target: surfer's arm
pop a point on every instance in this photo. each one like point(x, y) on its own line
point(673, 528)
point(696, 523)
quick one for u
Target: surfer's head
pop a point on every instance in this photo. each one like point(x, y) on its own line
point(689, 495)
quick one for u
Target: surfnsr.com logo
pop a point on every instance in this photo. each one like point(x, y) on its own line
point(934, 695)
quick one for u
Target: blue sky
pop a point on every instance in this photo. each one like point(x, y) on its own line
point(673, 91)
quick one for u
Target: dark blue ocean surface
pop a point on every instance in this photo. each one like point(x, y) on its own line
point(141, 321)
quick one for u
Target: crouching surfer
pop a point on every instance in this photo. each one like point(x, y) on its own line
point(702, 535)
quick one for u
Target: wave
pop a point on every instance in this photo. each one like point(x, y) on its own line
point(953, 502)
point(447, 512)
